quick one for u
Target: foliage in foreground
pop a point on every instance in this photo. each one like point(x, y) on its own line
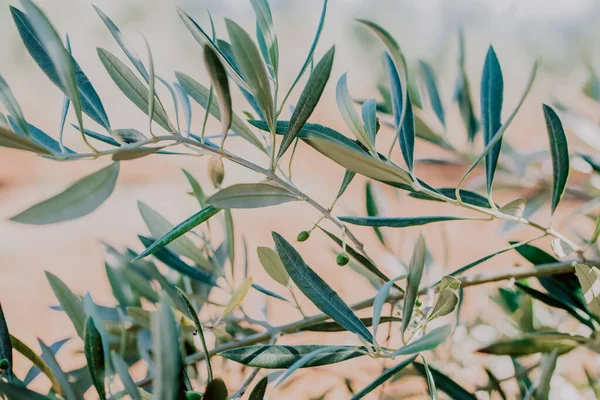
point(160, 291)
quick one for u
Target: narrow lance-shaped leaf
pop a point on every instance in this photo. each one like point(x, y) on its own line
point(385, 376)
point(13, 140)
point(122, 369)
point(303, 361)
point(559, 150)
point(346, 106)
point(432, 90)
point(12, 106)
point(368, 113)
point(194, 316)
point(237, 297)
point(500, 132)
point(94, 355)
point(251, 195)
point(5, 346)
point(179, 230)
point(415, 272)
point(492, 94)
point(445, 383)
point(69, 302)
point(589, 279)
point(252, 68)
point(311, 94)
point(284, 356)
point(373, 209)
point(37, 361)
point(258, 393)
point(168, 372)
point(91, 103)
point(65, 109)
point(266, 32)
point(78, 200)
point(542, 384)
point(400, 222)
point(48, 356)
point(60, 57)
point(430, 381)
point(219, 80)
point(380, 300)
point(429, 341)
point(463, 93)
point(271, 262)
point(317, 290)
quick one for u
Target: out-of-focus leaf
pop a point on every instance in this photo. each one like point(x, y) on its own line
point(271, 262)
point(94, 355)
point(12, 106)
point(201, 95)
point(445, 304)
point(218, 77)
point(237, 297)
point(69, 302)
point(368, 113)
point(380, 300)
point(311, 94)
point(160, 226)
point(251, 195)
point(252, 69)
point(429, 341)
point(547, 366)
point(28, 353)
point(133, 154)
point(34, 371)
point(14, 391)
point(430, 381)
point(266, 34)
point(39, 137)
point(373, 209)
point(303, 361)
point(317, 290)
point(560, 155)
point(215, 390)
point(349, 114)
point(348, 177)
point(589, 278)
point(268, 292)
point(39, 49)
point(258, 393)
point(168, 373)
point(335, 327)
point(179, 230)
point(532, 344)
point(133, 88)
point(492, 94)
point(122, 369)
point(399, 222)
point(415, 272)
point(78, 200)
point(432, 90)
point(15, 141)
point(463, 94)
point(5, 346)
point(466, 196)
point(386, 375)
point(283, 356)
point(48, 356)
point(445, 384)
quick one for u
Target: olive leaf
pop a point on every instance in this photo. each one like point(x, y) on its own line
point(385, 376)
point(415, 272)
point(12, 106)
point(542, 382)
point(446, 303)
point(380, 300)
point(430, 381)
point(431, 86)
point(237, 297)
point(317, 290)
point(349, 114)
point(5, 346)
point(445, 383)
point(372, 196)
point(215, 390)
point(429, 341)
point(462, 93)
point(514, 208)
point(37, 361)
point(589, 278)
point(218, 77)
point(122, 369)
point(78, 200)
point(531, 344)
point(266, 34)
point(258, 393)
point(560, 155)
point(368, 113)
point(400, 222)
point(271, 262)
point(13, 140)
point(70, 303)
point(251, 195)
point(48, 357)
point(94, 355)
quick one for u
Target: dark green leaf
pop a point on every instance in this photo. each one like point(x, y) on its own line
point(348, 177)
point(78, 200)
point(180, 230)
point(399, 222)
point(258, 393)
point(373, 209)
point(94, 355)
point(282, 356)
point(335, 327)
point(560, 155)
point(317, 290)
point(445, 384)
point(415, 272)
point(91, 103)
point(492, 94)
point(466, 196)
point(386, 375)
point(16, 392)
point(311, 94)
point(5, 346)
point(215, 390)
point(432, 90)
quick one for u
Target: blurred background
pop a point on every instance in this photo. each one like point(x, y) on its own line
point(564, 34)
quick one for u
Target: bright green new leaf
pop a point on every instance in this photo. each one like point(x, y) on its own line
point(179, 230)
point(429, 341)
point(559, 150)
point(78, 200)
point(271, 262)
point(311, 94)
point(284, 356)
point(317, 290)
point(415, 272)
point(251, 195)
point(386, 375)
point(94, 355)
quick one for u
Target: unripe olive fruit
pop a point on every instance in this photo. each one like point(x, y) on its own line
point(4, 364)
point(342, 259)
point(302, 236)
point(216, 170)
point(193, 396)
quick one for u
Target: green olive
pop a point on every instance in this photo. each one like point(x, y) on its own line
point(342, 259)
point(193, 396)
point(302, 236)
point(4, 364)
